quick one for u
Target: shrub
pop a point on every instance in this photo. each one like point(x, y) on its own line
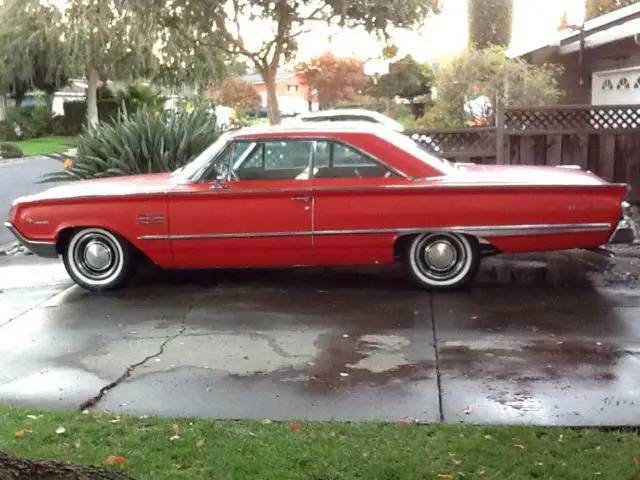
point(138, 96)
point(75, 113)
point(138, 143)
point(9, 150)
point(24, 123)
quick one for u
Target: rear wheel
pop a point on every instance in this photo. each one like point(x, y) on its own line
point(442, 261)
point(97, 259)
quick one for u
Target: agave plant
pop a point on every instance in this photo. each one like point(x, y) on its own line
point(142, 142)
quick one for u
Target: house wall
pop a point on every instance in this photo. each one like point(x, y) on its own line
point(622, 54)
point(292, 86)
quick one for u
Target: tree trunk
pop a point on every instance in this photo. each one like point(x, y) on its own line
point(19, 468)
point(3, 107)
point(269, 77)
point(92, 97)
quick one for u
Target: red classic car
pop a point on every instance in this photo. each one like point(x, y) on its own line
point(319, 194)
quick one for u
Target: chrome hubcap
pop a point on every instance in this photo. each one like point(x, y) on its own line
point(440, 256)
point(97, 256)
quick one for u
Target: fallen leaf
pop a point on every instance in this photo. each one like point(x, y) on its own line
point(60, 430)
point(445, 476)
point(85, 412)
point(176, 429)
point(637, 458)
point(344, 374)
point(34, 417)
point(295, 426)
point(20, 434)
point(468, 410)
point(91, 401)
point(175, 437)
point(115, 420)
point(266, 421)
point(77, 445)
point(488, 437)
point(521, 447)
point(200, 443)
point(112, 460)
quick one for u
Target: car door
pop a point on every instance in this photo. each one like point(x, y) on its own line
point(359, 205)
point(253, 208)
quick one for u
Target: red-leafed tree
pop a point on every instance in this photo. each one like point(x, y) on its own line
point(235, 92)
point(333, 79)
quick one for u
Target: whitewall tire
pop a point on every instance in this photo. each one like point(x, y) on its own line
point(97, 259)
point(442, 260)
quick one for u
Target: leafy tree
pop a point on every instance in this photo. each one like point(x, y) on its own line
point(406, 79)
point(231, 26)
point(27, 58)
point(110, 39)
point(237, 93)
point(595, 8)
point(471, 86)
point(334, 79)
point(490, 22)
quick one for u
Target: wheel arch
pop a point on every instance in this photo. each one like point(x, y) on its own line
point(401, 242)
point(65, 233)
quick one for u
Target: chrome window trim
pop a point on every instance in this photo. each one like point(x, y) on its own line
point(366, 155)
point(407, 186)
point(314, 139)
point(480, 230)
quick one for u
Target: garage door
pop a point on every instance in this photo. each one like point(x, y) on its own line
point(616, 87)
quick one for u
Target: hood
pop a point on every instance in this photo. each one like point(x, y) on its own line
point(104, 187)
point(522, 175)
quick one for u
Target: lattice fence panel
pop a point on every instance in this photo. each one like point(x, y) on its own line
point(587, 118)
point(453, 143)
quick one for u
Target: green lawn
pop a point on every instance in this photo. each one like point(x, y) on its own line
point(45, 145)
point(159, 448)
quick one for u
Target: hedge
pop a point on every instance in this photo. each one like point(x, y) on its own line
point(75, 113)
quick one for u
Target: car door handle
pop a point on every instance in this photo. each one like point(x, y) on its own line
point(301, 199)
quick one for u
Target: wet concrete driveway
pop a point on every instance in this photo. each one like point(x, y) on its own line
point(547, 339)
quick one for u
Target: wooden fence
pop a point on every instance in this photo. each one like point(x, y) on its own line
point(604, 140)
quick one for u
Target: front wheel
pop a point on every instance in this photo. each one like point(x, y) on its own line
point(442, 261)
point(98, 260)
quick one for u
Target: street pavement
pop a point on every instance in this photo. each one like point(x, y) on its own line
point(17, 178)
point(550, 339)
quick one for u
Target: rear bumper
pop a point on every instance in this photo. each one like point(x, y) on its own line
point(626, 231)
point(42, 249)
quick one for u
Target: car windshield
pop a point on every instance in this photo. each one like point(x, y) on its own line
point(199, 164)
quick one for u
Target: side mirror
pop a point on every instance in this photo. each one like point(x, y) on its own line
point(220, 184)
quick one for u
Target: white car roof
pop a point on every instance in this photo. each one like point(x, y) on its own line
point(354, 112)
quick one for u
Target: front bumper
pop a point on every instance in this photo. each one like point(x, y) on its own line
point(42, 249)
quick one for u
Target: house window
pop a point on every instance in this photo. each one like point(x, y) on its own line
point(607, 85)
point(623, 84)
point(292, 88)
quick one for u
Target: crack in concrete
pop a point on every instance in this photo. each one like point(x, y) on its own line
point(272, 342)
point(92, 401)
point(436, 357)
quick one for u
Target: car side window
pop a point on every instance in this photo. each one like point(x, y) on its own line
point(336, 160)
point(274, 160)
